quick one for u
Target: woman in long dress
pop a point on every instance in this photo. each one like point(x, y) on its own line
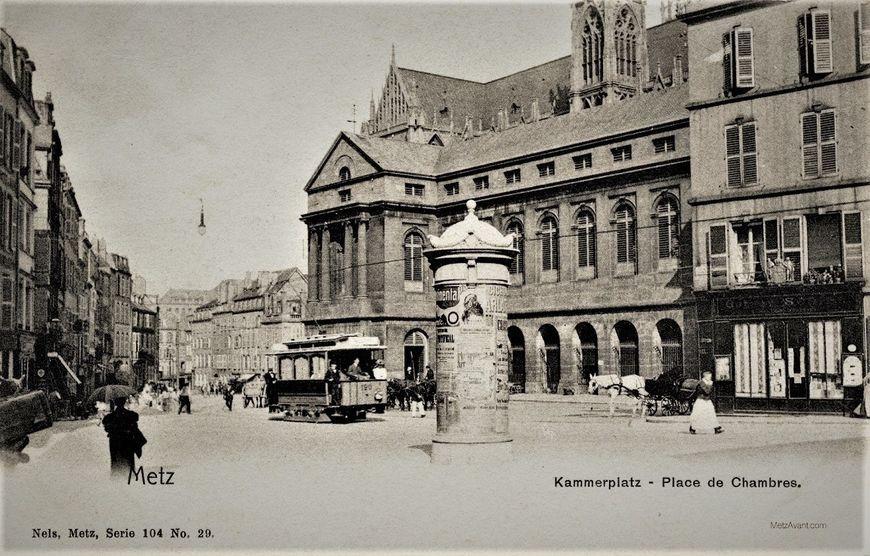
point(703, 417)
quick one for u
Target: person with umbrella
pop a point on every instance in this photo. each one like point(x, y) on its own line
point(125, 438)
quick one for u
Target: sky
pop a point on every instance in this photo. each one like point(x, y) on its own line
point(161, 105)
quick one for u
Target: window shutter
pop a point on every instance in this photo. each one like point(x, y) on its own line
point(804, 44)
point(743, 73)
point(546, 248)
point(717, 250)
point(809, 128)
point(853, 246)
point(828, 140)
point(732, 155)
point(520, 244)
point(409, 264)
point(16, 147)
point(750, 160)
point(582, 245)
point(864, 32)
point(771, 239)
point(555, 255)
point(792, 245)
point(621, 242)
point(821, 41)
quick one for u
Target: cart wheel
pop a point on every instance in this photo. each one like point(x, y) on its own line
point(684, 407)
point(651, 407)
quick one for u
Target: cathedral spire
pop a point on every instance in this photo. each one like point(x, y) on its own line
point(393, 56)
point(372, 105)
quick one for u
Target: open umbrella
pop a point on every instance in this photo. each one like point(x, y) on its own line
point(111, 392)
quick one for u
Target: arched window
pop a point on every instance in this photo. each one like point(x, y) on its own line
point(586, 239)
point(549, 243)
point(413, 257)
point(517, 376)
point(549, 355)
point(625, 35)
point(416, 347)
point(518, 264)
point(592, 43)
point(668, 220)
point(344, 173)
point(625, 345)
point(626, 234)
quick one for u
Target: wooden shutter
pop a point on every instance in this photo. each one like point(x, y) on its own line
point(792, 245)
point(750, 156)
point(771, 239)
point(555, 246)
point(546, 251)
point(810, 149)
point(519, 244)
point(820, 41)
point(668, 227)
point(743, 62)
point(852, 245)
point(717, 250)
point(828, 142)
point(586, 240)
point(16, 147)
point(732, 155)
point(864, 32)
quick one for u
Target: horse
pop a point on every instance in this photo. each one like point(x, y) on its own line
point(634, 385)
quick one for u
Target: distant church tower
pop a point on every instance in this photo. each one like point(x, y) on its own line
point(608, 51)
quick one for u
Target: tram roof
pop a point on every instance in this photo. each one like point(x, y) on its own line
point(327, 342)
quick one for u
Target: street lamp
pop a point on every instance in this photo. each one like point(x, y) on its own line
point(201, 218)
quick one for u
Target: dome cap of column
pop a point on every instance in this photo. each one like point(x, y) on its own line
point(471, 233)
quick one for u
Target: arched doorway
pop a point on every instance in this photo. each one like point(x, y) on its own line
point(585, 351)
point(549, 356)
point(669, 344)
point(416, 353)
point(625, 348)
point(517, 376)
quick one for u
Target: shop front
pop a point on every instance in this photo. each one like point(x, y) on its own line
point(795, 348)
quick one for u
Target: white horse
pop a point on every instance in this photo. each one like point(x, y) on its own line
point(615, 384)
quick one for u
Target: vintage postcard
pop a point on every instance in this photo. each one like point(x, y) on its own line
point(367, 277)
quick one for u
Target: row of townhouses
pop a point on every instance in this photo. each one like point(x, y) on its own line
point(692, 195)
point(66, 307)
point(209, 336)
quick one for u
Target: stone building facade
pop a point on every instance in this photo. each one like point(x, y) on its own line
point(779, 143)
point(584, 158)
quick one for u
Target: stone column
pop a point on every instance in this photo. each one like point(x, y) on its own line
point(313, 253)
point(324, 264)
point(348, 260)
point(471, 263)
point(362, 257)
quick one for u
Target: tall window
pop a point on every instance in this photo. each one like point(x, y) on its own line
point(586, 239)
point(626, 234)
point(549, 243)
point(413, 257)
point(344, 173)
point(592, 43)
point(814, 41)
point(481, 182)
point(668, 221)
point(819, 133)
point(518, 263)
point(741, 156)
point(625, 35)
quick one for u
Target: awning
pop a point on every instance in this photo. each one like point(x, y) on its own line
point(59, 357)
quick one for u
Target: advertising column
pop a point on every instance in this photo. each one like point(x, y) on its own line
point(471, 266)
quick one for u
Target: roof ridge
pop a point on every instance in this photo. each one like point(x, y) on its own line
point(442, 75)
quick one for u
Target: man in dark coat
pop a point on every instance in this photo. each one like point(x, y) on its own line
point(123, 431)
point(271, 393)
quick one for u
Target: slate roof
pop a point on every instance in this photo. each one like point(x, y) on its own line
point(666, 42)
point(399, 156)
point(642, 111)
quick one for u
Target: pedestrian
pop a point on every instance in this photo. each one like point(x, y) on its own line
point(863, 408)
point(430, 374)
point(125, 438)
point(271, 397)
point(228, 398)
point(703, 417)
point(184, 399)
point(379, 372)
point(417, 407)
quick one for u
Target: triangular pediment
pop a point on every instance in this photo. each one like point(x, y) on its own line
point(343, 154)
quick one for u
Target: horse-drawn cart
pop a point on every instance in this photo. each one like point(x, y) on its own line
point(671, 393)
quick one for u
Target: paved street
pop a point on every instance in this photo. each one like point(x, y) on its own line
point(376, 476)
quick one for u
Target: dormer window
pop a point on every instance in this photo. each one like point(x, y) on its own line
point(621, 154)
point(344, 173)
point(452, 188)
point(665, 144)
point(344, 196)
point(481, 182)
point(512, 176)
point(547, 169)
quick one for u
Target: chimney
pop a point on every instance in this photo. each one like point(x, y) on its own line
point(502, 122)
point(536, 112)
point(678, 69)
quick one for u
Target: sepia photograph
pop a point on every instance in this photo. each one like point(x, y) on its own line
point(368, 277)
